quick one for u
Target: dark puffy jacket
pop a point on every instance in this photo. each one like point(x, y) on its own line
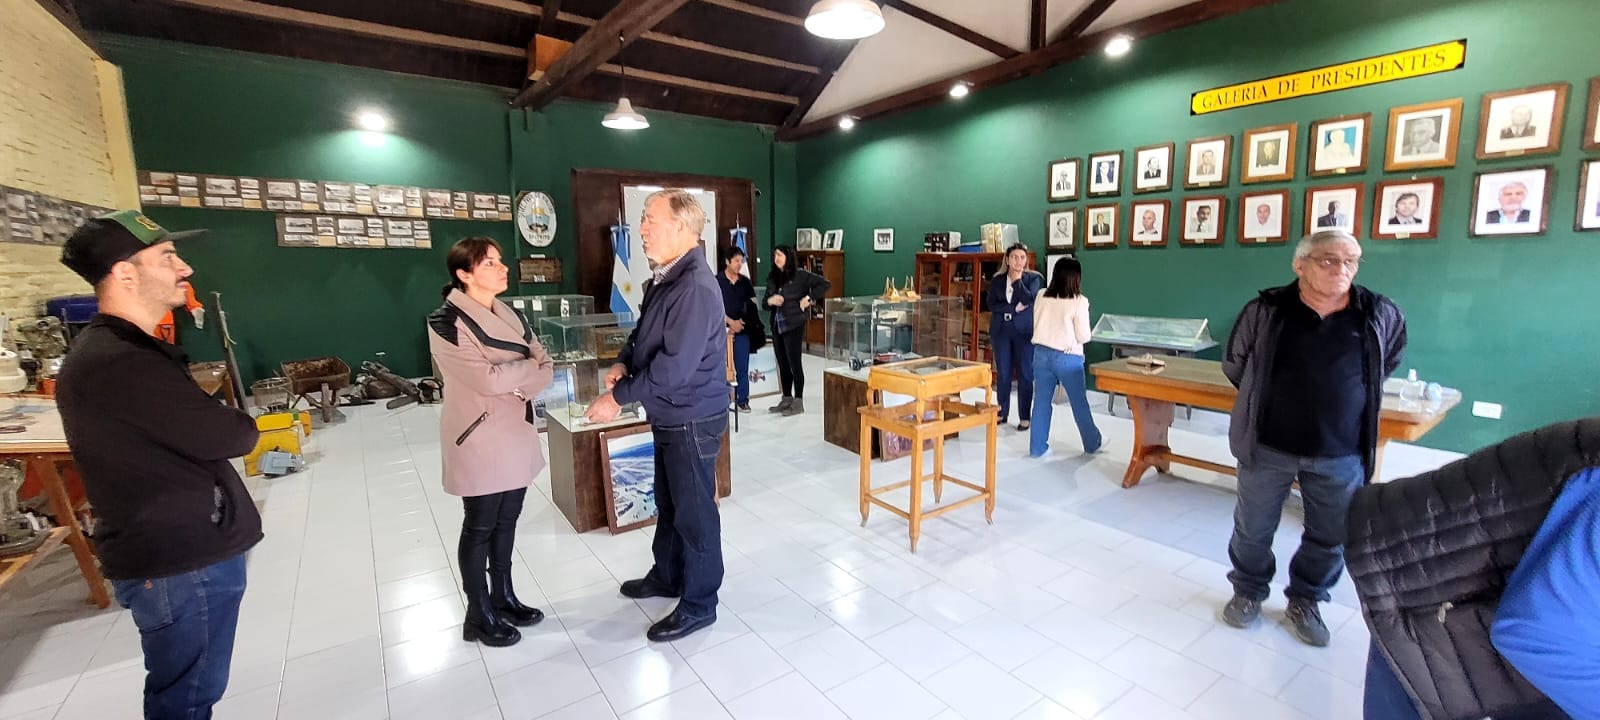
point(1430, 556)
point(1247, 361)
point(803, 283)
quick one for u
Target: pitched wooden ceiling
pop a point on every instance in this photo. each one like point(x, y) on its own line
point(742, 60)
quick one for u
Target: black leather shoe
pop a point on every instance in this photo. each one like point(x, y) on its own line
point(678, 625)
point(647, 588)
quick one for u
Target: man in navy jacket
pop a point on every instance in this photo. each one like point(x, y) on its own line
point(675, 363)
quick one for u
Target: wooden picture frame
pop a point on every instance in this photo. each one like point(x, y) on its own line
point(1588, 196)
point(1491, 192)
point(1210, 235)
point(1591, 123)
point(623, 514)
point(1424, 135)
point(1390, 209)
point(1269, 154)
point(1138, 237)
point(1338, 145)
point(1152, 168)
point(1053, 238)
point(1104, 174)
point(1254, 232)
point(1499, 135)
point(1062, 178)
point(1317, 211)
point(1092, 213)
point(1220, 148)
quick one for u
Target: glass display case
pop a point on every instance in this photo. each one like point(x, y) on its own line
point(539, 307)
point(868, 330)
point(1137, 333)
point(583, 348)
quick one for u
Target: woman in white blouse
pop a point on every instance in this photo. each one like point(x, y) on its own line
point(1060, 328)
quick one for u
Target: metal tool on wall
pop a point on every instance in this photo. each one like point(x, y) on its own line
point(227, 347)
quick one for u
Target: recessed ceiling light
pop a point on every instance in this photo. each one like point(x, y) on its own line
point(1119, 46)
point(847, 122)
point(372, 120)
point(959, 90)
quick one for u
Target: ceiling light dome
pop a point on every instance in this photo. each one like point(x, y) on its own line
point(844, 19)
point(624, 117)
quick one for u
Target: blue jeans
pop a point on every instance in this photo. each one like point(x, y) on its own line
point(1052, 367)
point(688, 542)
point(1013, 349)
point(1385, 698)
point(1326, 486)
point(186, 626)
point(741, 368)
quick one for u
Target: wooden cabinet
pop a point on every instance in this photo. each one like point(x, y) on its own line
point(830, 265)
point(964, 275)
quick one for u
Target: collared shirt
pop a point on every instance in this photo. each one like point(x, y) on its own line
point(661, 271)
point(1316, 391)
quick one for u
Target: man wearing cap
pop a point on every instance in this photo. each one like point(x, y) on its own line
point(174, 519)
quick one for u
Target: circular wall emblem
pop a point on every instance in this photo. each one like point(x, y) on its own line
point(536, 218)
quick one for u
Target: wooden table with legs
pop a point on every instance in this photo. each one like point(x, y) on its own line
point(1153, 393)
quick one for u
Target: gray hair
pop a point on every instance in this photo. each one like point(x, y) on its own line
point(685, 208)
point(1320, 238)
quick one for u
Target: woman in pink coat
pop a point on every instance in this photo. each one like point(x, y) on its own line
point(492, 369)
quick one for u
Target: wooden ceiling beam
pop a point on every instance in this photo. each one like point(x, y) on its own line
point(303, 18)
point(1084, 19)
point(757, 11)
point(1036, 25)
point(701, 85)
point(819, 82)
point(1027, 64)
point(624, 23)
point(548, 15)
point(954, 28)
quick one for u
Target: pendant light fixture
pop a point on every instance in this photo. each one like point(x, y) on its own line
point(844, 19)
point(624, 117)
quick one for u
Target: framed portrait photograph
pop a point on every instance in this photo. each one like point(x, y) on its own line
point(883, 240)
point(629, 474)
point(1591, 123)
point(1424, 135)
point(1589, 196)
point(1269, 153)
point(1063, 180)
point(1526, 121)
point(1511, 202)
point(1407, 209)
point(833, 240)
point(1105, 174)
point(1208, 162)
point(807, 239)
point(1152, 166)
point(1061, 228)
point(1339, 145)
point(1202, 220)
point(1147, 223)
point(1264, 217)
point(1100, 226)
point(1335, 207)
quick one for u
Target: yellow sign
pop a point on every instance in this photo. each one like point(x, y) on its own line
point(1416, 62)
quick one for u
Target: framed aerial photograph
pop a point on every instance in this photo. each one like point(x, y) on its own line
point(1424, 135)
point(1101, 226)
point(1061, 228)
point(1269, 153)
point(1203, 219)
point(1105, 174)
point(629, 476)
point(1335, 207)
point(1508, 203)
point(1152, 166)
point(1407, 209)
point(1208, 162)
point(1147, 223)
point(1063, 180)
point(1526, 121)
point(1589, 196)
point(1339, 145)
point(1264, 217)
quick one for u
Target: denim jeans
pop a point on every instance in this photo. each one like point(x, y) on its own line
point(1013, 350)
point(186, 625)
point(1052, 367)
point(1326, 486)
point(688, 542)
point(1384, 697)
point(741, 368)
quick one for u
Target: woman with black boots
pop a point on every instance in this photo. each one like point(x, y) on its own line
point(791, 291)
point(492, 369)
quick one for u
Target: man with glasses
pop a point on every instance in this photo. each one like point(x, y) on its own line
point(1309, 359)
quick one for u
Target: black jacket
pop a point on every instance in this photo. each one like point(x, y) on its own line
point(803, 283)
point(1247, 361)
point(1430, 556)
point(153, 451)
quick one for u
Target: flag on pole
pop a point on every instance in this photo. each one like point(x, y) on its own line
point(623, 287)
point(737, 237)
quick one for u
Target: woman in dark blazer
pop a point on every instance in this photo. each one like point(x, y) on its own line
point(791, 291)
point(1010, 302)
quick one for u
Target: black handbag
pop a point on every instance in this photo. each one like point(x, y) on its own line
point(753, 328)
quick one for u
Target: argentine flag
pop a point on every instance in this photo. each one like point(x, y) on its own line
point(736, 237)
point(625, 292)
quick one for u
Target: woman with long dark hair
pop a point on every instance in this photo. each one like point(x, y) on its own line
point(1010, 301)
point(791, 291)
point(1060, 328)
point(492, 369)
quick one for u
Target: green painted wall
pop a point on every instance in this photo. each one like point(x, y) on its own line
point(1506, 320)
point(206, 110)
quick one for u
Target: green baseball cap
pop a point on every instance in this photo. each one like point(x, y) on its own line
point(102, 242)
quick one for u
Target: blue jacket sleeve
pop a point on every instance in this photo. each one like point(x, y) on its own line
point(1548, 623)
point(1027, 288)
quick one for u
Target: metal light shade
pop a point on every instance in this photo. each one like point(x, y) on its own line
point(844, 19)
point(624, 117)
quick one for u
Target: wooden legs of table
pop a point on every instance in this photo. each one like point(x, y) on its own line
point(1151, 421)
point(61, 507)
point(865, 437)
point(950, 416)
point(1377, 460)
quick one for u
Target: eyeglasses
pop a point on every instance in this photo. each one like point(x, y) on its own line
point(1330, 262)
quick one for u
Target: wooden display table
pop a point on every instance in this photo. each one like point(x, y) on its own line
point(936, 410)
point(45, 460)
point(13, 567)
point(577, 460)
point(1200, 383)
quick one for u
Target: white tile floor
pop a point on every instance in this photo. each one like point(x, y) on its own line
point(1083, 600)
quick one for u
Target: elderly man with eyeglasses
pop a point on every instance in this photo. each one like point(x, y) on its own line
point(1309, 359)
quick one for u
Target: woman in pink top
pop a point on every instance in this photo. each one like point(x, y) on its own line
point(1060, 328)
point(492, 368)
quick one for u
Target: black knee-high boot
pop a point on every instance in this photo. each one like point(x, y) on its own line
point(504, 599)
point(482, 623)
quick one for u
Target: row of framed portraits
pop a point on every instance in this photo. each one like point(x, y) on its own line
point(1511, 123)
point(1505, 203)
